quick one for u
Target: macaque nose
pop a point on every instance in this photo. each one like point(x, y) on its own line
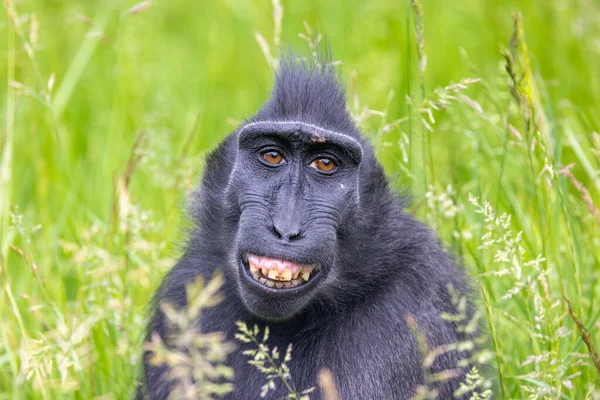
point(286, 229)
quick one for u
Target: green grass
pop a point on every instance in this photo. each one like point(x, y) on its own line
point(89, 222)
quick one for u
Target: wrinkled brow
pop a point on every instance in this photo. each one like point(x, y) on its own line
point(302, 131)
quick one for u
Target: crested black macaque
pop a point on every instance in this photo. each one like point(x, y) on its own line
point(296, 211)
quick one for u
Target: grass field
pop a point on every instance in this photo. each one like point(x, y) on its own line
point(486, 111)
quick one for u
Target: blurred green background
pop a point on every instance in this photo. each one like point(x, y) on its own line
point(85, 238)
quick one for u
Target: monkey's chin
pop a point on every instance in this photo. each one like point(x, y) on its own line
point(275, 303)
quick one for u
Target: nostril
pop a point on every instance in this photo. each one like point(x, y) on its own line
point(283, 234)
point(276, 232)
point(295, 236)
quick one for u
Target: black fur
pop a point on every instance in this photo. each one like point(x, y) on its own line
point(378, 263)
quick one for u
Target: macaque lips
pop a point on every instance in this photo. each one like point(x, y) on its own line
point(279, 274)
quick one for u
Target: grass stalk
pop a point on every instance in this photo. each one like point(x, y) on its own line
point(497, 350)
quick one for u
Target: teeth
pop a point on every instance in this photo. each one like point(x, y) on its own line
point(276, 273)
point(286, 275)
point(306, 271)
point(279, 266)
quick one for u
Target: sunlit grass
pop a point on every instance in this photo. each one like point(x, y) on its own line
point(488, 118)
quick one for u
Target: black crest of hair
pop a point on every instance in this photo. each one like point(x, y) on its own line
point(375, 266)
point(311, 92)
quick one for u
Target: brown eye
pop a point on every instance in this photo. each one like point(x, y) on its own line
point(272, 157)
point(324, 164)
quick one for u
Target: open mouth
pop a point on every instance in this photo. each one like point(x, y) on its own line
point(279, 274)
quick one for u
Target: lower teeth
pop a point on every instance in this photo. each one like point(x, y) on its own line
point(278, 285)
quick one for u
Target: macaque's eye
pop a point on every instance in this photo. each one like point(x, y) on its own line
point(272, 157)
point(324, 164)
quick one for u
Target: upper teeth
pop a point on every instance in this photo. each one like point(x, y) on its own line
point(280, 273)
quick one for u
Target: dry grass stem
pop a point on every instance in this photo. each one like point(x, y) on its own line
point(585, 336)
